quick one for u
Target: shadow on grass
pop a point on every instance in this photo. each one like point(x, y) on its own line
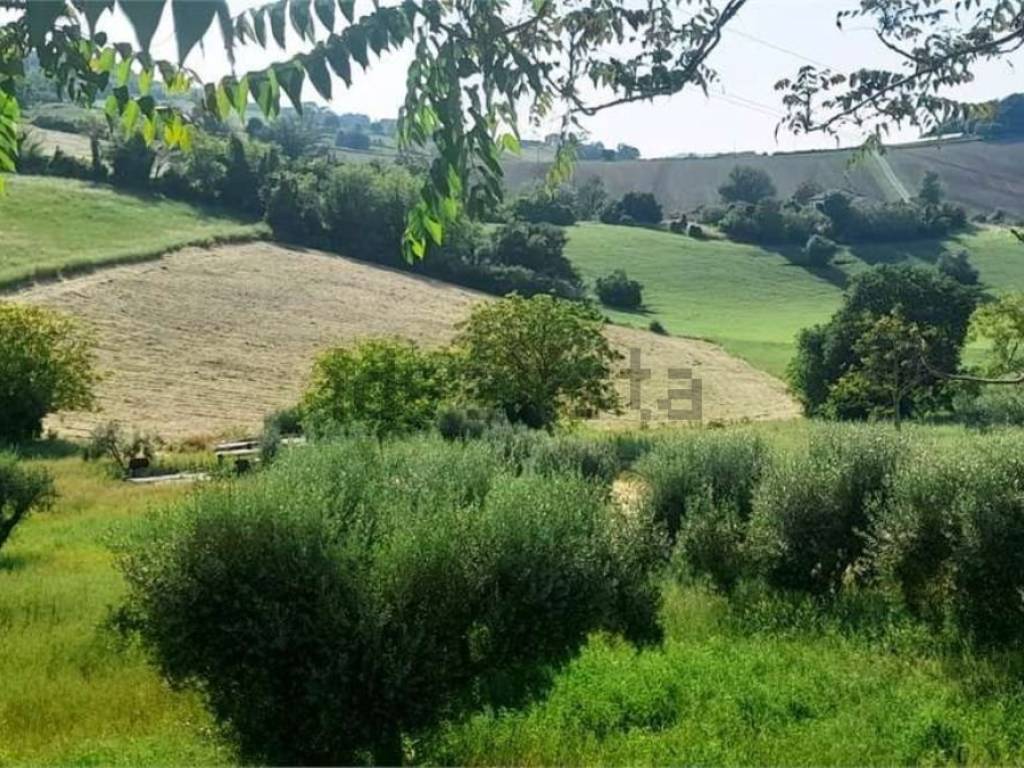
point(830, 273)
point(44, 449)
point(11, 563)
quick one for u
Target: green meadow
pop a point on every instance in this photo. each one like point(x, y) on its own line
point(52, 226)
point(752, 300)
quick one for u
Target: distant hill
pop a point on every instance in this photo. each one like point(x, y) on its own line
point(980, 175)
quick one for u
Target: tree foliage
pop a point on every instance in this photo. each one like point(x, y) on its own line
point(46, 364)
point(1001, 324)
point(478, 66)
point(21, 491)
point(540, 360)
point(747, 184)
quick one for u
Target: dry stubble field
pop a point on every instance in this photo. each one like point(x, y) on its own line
point(206, 341)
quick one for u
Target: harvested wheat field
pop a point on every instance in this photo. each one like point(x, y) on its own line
point(204, 342)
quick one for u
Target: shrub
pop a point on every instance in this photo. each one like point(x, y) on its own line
point(679, 225)
point(352, 140)
point(545, 207)
point(957, 266)
point(634, 208)
point(991, 407)
point(455, 422)
point(747, 185)
point(806, 191)
point(386, 386)
point(656, 327)
point(294, 209)
point(819, 250)
point(46, 365)
point(132, 162)
point(353, 594)
point(953, 538)
point(695, 231)
point(812, 514)
point(617, 290)
point(590, 458)
point(726, 468)
point(538, 360)
point(711, 541)
point(537, 247)
point(22, 490)
point(110, 441)
point(768, 222)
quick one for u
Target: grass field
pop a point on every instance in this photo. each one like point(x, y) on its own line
point(753, 301)
point(52, 226)
point(72, 692)
point(754, 681)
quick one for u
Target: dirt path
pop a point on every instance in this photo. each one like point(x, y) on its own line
point(205, 342)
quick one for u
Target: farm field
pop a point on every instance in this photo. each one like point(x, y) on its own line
point(219, 337)
point(754, 680)
point(52, 226)
point(751, 300)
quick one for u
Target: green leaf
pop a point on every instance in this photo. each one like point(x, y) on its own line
point(277, 20)
point(264, 89)
point(259, 25)
point(325, 12)
point(302, 21)
point(290, 77)
point(104, 62)
point(355, 38)
point(238, 94)
point(348, 9)
point(510, 143)
point(124, 71)
point(129, 117)
point(338, 58)
point(316, 68)
point(144, 16)
point(92, 10)
point(41, 15)
point(192, 20)
point(145, 81)
point(434, 228)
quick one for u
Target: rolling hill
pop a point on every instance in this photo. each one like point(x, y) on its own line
point(751, 300)
point(205, 341)
point(980, 175)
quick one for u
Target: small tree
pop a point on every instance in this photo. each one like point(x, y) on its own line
point(617, 290)
point(931, 192)
point(634, 208)
point(747, 184)
point(591, 198)
point(537, 247)
point(46, 365)
point(807, 190)
point(21, 491)
point(958, 266)
point(1001, 323)
point(387, 386)
point(539, 360)
point(820, 250)
point(892, 358)
point(110, 440)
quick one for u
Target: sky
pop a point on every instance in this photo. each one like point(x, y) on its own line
point(768, 40)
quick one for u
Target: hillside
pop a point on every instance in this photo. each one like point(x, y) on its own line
point(209, 340)
point(751, 300)
point(980, 175)
point(57, 225)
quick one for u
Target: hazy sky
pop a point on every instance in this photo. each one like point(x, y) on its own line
point(768, 40)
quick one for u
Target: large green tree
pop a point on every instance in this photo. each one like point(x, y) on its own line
point(483, 67)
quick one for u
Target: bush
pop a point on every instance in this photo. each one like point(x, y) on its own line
point(958, 267)
point(711, 541)
point(109, 440)
point(293, 208)
point(382, 385)
point(456, 422)
point(538, 360)
point(953, 538)
point(590, 458)
point(46, 365)
point(354, 594)
point(132, 162)
point(725, 468)
point(747, 185)
point(656, 327)
point(545, 207)
point(812, 514)
point(634, 208)
point(695, 231)
point(22, 490)
point(679, 225)
point(537, 247)
point(819, 250)
point(995, 406)
point(617, 290)
point(770, 223)
point(352, 140)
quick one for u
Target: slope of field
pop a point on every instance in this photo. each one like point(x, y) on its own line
point(209, 340)
point(50, 226)
point(751, 300)
point(981, 175)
